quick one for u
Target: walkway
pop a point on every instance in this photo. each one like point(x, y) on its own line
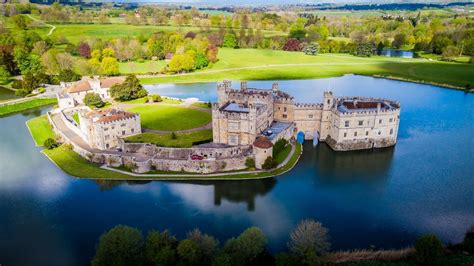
point(44, 23)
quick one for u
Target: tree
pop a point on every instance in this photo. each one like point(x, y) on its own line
point(365, 49)
point(109, 66)
point(450, 52)
point(130, 89)
point(206, 244)
point(269, 163)
point(429, 250)
point(68, 76)
point(84, 49)
point(279, 146)
point(4, 74)
point(19, 21)
point(50, 144)
point(26, 62)
point(160, 248)
point(246, 247)
point(311, 49)
point(201, 61)
point(93, 100)
point(229, 40)
point(399, 40)
point(468, 243)
point(212, 51)
point(181, 62)
point(121, 245)
point(297, 30)
point(439, 42)
point(250, 162)
point(292, 45)
point(189, 252)
point(309, 241)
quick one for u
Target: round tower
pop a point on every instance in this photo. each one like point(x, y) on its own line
point(262, 149)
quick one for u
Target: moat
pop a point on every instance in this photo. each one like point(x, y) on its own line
point(384, 198)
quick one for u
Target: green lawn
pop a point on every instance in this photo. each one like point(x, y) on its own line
point(73, 164)
point(147, 66)
point(184, 140)
point(33, 103)
point(170, 118)
point(281, 156)
point(202, 105)
point(269, 65)
point(75, 116)
point(40, 129)
point(145, 99)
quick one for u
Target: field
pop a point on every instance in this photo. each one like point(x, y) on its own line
point(40, 129)
point(185, 140)
point(33, 103)
point(147, 66)
point(170, 118)
point(253, 64)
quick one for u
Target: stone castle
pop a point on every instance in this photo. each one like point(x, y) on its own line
point(240, 117)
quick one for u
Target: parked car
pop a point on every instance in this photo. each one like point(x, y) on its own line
point(196, 157)
point(268, 133)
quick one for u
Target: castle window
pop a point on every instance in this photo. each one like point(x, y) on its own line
point(123, 132)
point(346, 124)
point(391, 131)
point(366, 133)
point(345, 135)
point(233, 140)
point(329, 101)
point(310, 116)
point(106, 128)
point(122, 125)
point(106, 137)
point(390, 120)
point(133, 130)
point(355, 134)
point(284, 109)
point(380, 132)
point(361, 122)
point(107, 145)
point(284, 116)
point(380, 121)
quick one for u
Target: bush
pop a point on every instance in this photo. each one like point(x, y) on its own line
point(309, 242)
point(68, 75)
point(50, 143)
point(279, 146)
point(250, 163)
point(174, 135)
point(155, 98)
point(130, 89)
point(468, 243)
point(269, 163)
point(429, 250)
point(311, 49)
point(93, 100)
point(293, 45)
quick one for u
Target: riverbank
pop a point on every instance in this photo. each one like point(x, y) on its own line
point(22, 105)
point(253, 64)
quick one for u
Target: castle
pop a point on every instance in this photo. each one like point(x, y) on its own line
point(240, 117)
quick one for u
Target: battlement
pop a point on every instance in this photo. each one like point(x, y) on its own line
point(308, 106)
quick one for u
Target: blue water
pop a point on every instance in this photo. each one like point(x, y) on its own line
point(384, 198)
point(397, 53)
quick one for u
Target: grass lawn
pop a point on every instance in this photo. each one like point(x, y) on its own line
point(184, 140)
point(269, 65)
point(202, 105)
point(145, 99)
point(170, 118)
point(144, 67)
point(75, 116)
point(33, 103)
point(40, 129)
point(281, 156)
point(73, 164)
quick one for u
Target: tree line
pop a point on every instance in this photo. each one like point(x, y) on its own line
point(308, 245)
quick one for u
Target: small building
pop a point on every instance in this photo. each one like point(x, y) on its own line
point(65, 100)
point(262, 149)
point(103, 128)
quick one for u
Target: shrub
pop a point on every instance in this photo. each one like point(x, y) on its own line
point(269, 163)
point(468, 243)
point(130, 89)
point(311, 49)
point(209, 104)
point(292, 45)
point(365, 49)
point(250, 163)
point(50, 143)
point(68, 75)
point(279, 146)
point(174, 135)
point(429, 250)
point(93, 99)
point(154, 98)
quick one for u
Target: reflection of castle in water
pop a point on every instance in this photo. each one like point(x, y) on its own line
point(364, 165)
point(242, 191)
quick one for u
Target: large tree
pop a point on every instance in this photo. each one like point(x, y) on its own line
point(93, 100)
point(122, 245)
point(247, 247)
point(130, 89)
point(309, 241)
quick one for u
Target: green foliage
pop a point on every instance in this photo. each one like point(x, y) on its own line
point(188, 252)
point(122, 245)
point(155, 98)
point(311, 49)
point(4, 74)
point(429, 250)
point(309, 242)
point(26, 62)
point(182, 63)
point(19, 21)
point(297, 29)
point(365, 49)
point(29, 83)
point(269, 163)
point(93, 100)
point(201, 61)
point(130, 89)
point(33, 103)
point(279, 146)
point(68, 75)
point(173, 135)
point(399, 40)
point(246, 247)
point(50, 143)
point(230, 40)
point(109, 66)
point(250, 162)
point(468, 243)
point(160, 248)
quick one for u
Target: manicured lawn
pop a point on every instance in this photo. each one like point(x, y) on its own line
point(171, 100)
point(170, 118)
point(281, 156)
point(75, 116)
point(33, 103)
point(73, 164)
point(202, 105)
point(40, 129)
point(269, 65)
point(184, 140)
point(144, 67)
point(145, 99)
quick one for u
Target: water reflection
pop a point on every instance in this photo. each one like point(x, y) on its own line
point(353, 166)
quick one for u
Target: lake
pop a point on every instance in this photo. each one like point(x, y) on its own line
point(397, 53)
point(386, 198)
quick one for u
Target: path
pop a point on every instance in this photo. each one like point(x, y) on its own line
point(44, 23)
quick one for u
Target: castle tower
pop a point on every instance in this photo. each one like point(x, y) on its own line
point(326, 119)
point(275, 87)
point(243, 85)
point(222, 91)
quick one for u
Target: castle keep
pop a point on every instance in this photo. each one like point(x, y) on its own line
point(344, 123)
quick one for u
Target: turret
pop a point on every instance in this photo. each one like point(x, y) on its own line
point(328, 100)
